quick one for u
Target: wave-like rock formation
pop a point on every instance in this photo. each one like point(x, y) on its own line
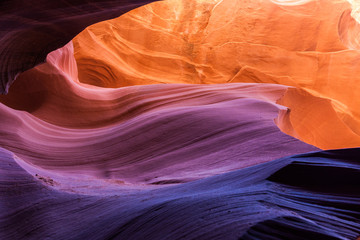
point(179, 120)
point(141, 134)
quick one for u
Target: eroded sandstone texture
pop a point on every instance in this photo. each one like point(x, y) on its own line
point(180, 120)
point(310, 45)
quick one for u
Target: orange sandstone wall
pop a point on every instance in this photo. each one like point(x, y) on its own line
point(310, 45)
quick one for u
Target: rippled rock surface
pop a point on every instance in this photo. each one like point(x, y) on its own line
point(309, 196)
point(179, 120)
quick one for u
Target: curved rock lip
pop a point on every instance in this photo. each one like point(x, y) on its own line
point(30, 31)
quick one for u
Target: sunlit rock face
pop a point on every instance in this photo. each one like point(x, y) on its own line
point(196, 40)
point(180, 120)
point(310, 45)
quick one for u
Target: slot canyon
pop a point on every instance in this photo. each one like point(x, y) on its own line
point(180, 119)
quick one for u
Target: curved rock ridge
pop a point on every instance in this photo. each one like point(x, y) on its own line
point(308, 196)
point(53, 93)
point(150, 134)
point(29, 31)
point(311, 45)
